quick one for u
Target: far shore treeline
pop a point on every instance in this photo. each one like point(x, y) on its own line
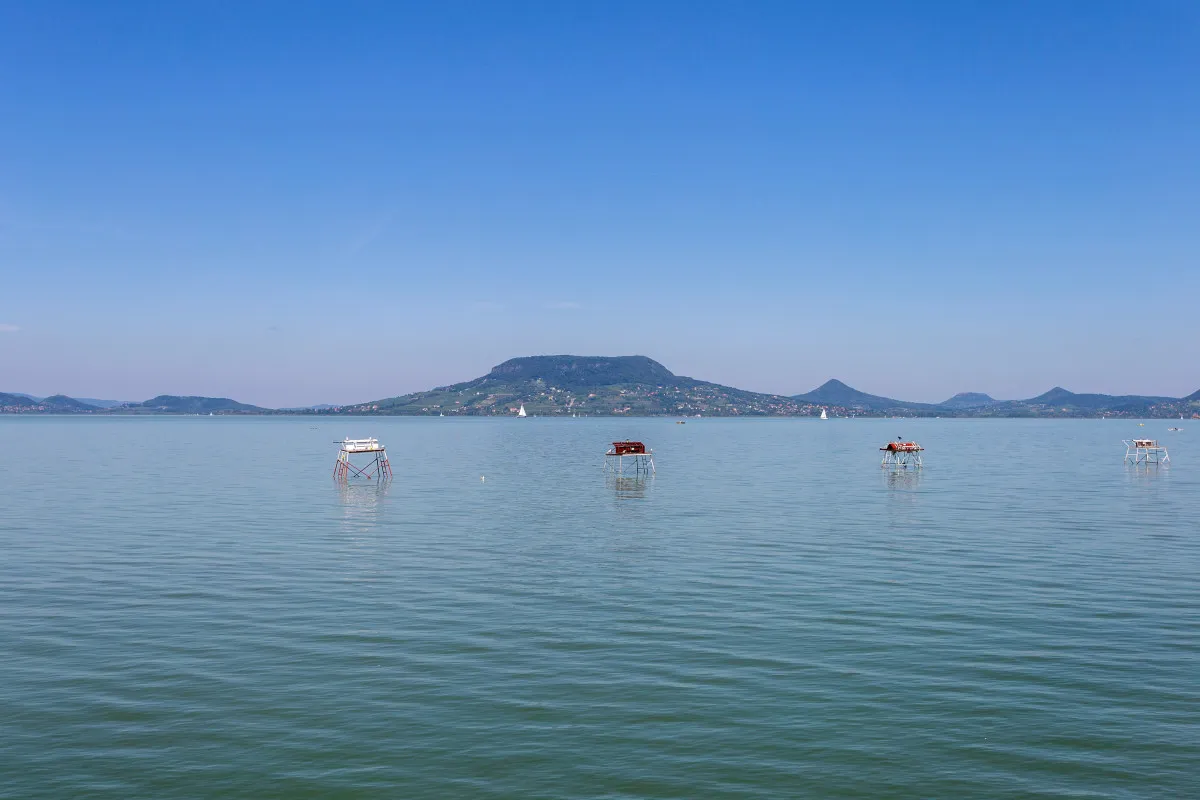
point(632, 386)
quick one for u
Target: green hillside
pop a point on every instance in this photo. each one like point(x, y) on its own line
point(61, 401)
point(55, 404)
point(583, 385)
point(16, 402)
point(967, 400)
point(173, 404)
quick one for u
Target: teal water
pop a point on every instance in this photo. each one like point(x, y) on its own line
point(191, 607)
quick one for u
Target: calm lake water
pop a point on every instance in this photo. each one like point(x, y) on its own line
point(191, 607)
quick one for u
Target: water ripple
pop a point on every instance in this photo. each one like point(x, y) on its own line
point(178, 622)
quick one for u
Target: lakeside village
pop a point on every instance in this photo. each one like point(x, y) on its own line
point(639, 401)
point(554, 403)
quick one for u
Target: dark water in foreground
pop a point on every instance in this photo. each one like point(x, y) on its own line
point(190, 607)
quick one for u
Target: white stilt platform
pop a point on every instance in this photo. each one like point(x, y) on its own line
point(1147, 452)
point(372, 457)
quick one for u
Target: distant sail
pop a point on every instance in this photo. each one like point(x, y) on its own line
point(823, 414)
point(522, 413)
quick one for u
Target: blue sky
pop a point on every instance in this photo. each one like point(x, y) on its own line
point(293, 203)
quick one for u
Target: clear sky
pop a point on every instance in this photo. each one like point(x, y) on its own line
point(300, 202)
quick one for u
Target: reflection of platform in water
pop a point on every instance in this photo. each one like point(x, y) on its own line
point(362, 504)
point(362, 497)
point(1145, 452)
point(641, 460)
point(376, 466)
point(901, 480)
point(629, 487)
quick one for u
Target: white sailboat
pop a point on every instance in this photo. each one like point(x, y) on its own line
point(823, 414)
point(521, 412)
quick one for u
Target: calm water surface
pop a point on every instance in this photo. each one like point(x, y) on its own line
point(190, 607)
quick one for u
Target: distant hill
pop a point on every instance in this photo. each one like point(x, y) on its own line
point(835, 393)
point(584, 372)
point(67, 403)
point(1059, 397)
point(970, 400)
point(588, 385)
point(55, 404)
point(92, 401)
point(195, 405)
point(637, 385)
point(15, 401)
point(1058, 402)
point(633, 386)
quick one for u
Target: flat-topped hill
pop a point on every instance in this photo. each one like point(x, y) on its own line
point(588, 385)
point(970, 400)
point(570, 372)
point(195, 405)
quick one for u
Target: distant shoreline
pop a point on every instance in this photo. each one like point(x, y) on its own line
point(123, 414)
point(635, 386)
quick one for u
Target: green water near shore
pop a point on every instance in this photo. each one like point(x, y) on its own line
point(191, 607)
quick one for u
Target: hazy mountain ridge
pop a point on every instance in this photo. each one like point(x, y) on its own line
point(1057, 402)
point(13, 400)
point(1059, 396)
point(637, 386)
point(163, 404)
point(91, 401)
point(55, 404)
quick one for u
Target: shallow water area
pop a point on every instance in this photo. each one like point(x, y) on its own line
point(191, 606)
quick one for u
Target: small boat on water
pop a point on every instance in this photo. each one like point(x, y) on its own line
point(521, 411)
point(823, 414)
point(1174, 429)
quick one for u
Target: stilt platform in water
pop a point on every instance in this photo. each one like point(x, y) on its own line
point(901, 455)
point(372, 457)
point(641, 460)
point(1146, 452)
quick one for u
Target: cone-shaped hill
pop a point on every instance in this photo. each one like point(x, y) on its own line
point(837, 394)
